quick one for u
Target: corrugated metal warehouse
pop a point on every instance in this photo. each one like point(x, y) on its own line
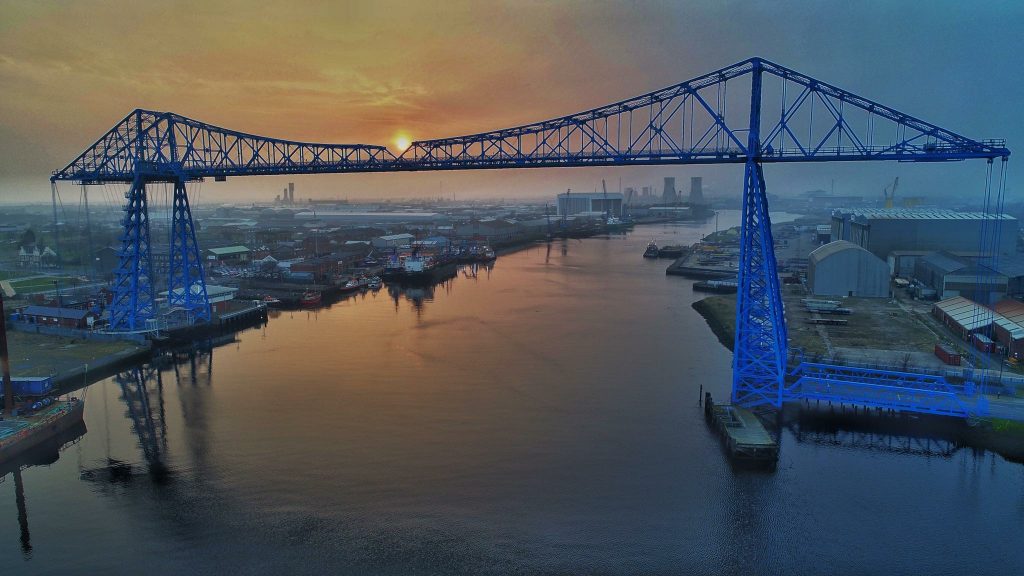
point(844, 269)
point(951, 276)
point(916, 232)
point(963, 317)
point(1010, 332)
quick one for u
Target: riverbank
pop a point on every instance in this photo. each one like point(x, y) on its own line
point(70, 361)
point(720, 314)
point(1004, 437)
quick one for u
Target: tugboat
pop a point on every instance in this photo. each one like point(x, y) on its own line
point(35, 421)
point(652, 250)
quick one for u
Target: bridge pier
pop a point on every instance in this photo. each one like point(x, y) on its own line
point(759, 353)
point(186, 283)
point(134, 302)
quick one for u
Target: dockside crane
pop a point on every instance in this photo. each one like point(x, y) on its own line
point(890, 194)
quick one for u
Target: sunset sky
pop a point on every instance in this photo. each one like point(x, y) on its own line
point(370, 72)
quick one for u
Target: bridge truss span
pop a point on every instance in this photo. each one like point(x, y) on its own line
point(754, 112)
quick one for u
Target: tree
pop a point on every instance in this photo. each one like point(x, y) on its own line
point(28, 238)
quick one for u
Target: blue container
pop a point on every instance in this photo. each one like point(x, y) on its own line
point(32, 385)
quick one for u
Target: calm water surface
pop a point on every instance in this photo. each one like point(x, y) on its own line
point(539, 417)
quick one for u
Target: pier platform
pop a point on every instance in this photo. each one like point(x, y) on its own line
point(742, 432)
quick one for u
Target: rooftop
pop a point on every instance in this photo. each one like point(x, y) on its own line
point(228, 250)
point(63, 313)
point(824, 251)
point(915, 214)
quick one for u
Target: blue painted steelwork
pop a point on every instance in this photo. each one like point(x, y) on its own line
point(186, 286)
point(695, 122)
point(134, 301)
point(903, 391)
point(759, 358)
point(688, 123)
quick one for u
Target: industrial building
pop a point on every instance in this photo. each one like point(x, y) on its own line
point(997, 329)
point(355, 218)
point(842, 268)
point(951, 276)
point(52, 316)
point(572, 204)
point(962, 316)
point(901, 236)
point(392, 241)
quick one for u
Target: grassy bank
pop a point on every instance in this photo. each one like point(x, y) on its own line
point(43, 355)
point(720, 314)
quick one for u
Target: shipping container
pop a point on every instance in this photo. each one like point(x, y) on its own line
point(947, 354)
point(32, 385)
point(983, 343)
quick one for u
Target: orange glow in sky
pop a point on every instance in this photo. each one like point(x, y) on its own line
point(402, 142)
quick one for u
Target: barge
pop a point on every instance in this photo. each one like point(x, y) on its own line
point(743, 435)
point(30, 428)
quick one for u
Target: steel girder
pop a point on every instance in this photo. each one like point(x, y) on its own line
point(134, 301)
point(687, 123)
point(694, 122)
point(186, 286)
point(759, 353)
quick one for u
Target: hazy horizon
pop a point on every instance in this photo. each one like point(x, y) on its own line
point(373, 74)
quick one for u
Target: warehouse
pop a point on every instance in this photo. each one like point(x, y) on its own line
point(902, 235)
point(951, 276)
point(844, 269)
point(392, 241)
point(1010, 331)
point(964, 317)
point(570, 204)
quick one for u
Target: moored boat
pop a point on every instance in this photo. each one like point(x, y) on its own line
point(670, 252)
point(716, 286)
point(651, 251)
point(37, 422)
point(310, 298)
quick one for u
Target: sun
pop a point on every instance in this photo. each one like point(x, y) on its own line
point(402, 141)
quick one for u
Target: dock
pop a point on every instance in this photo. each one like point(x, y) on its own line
point(693, 265)
point(744, 435)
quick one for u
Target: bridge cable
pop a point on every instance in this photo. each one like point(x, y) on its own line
point(983, 316)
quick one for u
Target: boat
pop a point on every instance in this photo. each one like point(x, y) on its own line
point(270, 301)
point(716, 286)
point(310, 298)
point(355, 284)
point(36, 422)
point(670, 252)
point(375, 283)
point(425, 270)
point(651, 251)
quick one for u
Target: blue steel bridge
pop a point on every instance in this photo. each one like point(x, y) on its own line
point(771, 114)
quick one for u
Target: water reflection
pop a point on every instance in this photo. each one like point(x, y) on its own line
point(45, 454)
point(542, 419)
point(897, 435)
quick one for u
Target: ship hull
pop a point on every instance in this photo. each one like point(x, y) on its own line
point(39, 428)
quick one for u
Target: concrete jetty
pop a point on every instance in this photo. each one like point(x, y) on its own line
point(745, 437)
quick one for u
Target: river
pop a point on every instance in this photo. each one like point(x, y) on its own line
point(538, 417)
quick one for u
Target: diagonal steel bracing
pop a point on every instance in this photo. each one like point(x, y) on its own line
point(772, 115)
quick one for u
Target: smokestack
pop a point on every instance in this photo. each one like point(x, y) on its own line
point(669, 195)
point(696, 190)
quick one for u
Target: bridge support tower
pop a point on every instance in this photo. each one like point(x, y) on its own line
point(759, 353)
point(134, 301)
